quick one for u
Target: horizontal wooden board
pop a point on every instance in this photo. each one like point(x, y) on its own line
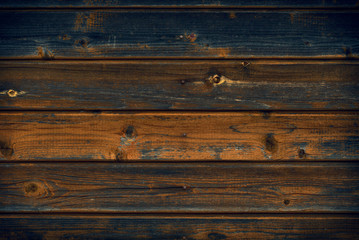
point(183, 136)
point(179, 227)
point(180, 187)
point(178, 3)
point(187, 33)
point(183, 85)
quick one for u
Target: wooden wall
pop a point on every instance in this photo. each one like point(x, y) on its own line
point(192, 119)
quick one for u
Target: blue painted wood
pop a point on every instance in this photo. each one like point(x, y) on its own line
point(178, 3)
point(194, 34)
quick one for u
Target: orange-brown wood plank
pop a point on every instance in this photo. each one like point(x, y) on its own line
point(180, 187)
point(183, 227)
point(151, 85)
point(97, 34)
point(183, 136)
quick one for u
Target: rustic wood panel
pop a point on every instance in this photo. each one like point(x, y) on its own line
point(179, 187)
point(179, 3)
point(138, 85)
point(187, 33)
point(179, 136)
point(180, 227)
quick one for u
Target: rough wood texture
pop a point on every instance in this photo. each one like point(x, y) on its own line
point(179, 136)
point(178, 3)
point(179, 187)
point(179, 227)
point(138, 85)
point(187, 33)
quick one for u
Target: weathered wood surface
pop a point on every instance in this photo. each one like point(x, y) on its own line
point(179, 3)
point(180, 227)
point(179, 136)
point(151, 85)
point(180, 34)
point(180, 187)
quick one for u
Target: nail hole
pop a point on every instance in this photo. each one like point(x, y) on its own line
point(184, 135)
point(183, 81)
point(301, 153)
point(245, 64)
point(286, 202)
point(12, 93)
point(215, 78)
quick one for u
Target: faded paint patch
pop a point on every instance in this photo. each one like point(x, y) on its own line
point(45, 53)
point(89, 22)
point(309, 20)
point(191, 37)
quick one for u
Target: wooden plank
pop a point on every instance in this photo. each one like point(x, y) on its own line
point(179, 227)
point(179, 136)
point(178, 3)
point(186, 34)
point(180, 187)
point(183, 85)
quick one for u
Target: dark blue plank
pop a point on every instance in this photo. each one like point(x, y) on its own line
point(181, 227)
point(225, 34)
point(178, 3)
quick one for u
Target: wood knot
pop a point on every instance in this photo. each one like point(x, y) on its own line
point(12, 93)
point(82, 43)
point(216, 79)
point(34, 189)
point(286, 202)
point(130, 131)
point(270, 143)
point(301, 153)
point(31, 188)
point(6, 150)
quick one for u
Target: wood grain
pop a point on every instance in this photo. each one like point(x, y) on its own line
point(182, 85)
point(176, 136)
point(177, 3)
point(180, 187)
point(179, 227)
point(178, 34)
